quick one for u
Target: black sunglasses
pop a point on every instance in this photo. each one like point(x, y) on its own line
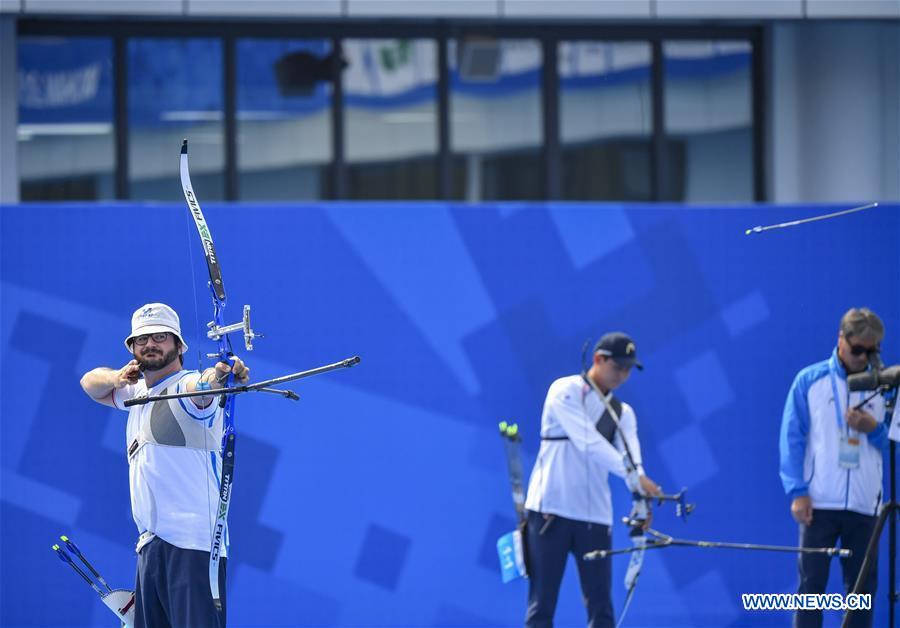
point(859, 349)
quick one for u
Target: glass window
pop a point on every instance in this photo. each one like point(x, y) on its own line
point(66, 145)
point(709, 121)
point(605, 120)
point(284, 94)
point(496, 130)
point(391, 118)
point(175, 92)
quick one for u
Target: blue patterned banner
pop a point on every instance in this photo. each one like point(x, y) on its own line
point(346, 502)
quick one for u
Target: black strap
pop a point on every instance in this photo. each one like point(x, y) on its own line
point(554, 438)
point(606, 425)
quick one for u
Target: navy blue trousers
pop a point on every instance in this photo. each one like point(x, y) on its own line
point(827, 527)
point(172, 588)
point(547, 556)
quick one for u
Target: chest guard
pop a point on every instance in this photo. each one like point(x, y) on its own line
point(169, 422)
point(606, 425)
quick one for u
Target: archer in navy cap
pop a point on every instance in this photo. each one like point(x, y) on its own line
point(620, 347)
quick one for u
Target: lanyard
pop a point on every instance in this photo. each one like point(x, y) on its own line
point(838, 411)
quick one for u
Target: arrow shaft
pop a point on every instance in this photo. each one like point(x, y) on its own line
point(794, 223)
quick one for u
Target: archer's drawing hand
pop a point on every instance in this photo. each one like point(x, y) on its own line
point(128, 374)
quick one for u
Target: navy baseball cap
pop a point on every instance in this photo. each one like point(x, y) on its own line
point(620, 347)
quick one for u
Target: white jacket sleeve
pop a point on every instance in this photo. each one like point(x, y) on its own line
point(565, 403)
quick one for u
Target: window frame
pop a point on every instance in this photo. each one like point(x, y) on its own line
point(441, 31)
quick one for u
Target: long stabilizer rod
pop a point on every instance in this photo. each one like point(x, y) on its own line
point(664, 540)
point(264, 386)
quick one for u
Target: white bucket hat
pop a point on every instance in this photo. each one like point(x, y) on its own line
point(154, 318)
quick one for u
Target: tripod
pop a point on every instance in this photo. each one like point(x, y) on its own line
point(888, 513)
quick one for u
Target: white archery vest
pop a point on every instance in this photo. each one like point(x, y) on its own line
point(174, 463)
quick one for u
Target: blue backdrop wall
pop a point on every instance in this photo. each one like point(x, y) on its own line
point(377, 499)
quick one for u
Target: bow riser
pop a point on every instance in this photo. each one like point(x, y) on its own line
point(217, 288)
point(218, 331)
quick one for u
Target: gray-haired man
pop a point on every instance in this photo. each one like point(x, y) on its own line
point(831, 459)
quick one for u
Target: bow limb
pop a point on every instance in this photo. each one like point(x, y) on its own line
point(631, 575)
point(640, 512)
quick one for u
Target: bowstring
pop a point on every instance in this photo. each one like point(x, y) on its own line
point(207, 453)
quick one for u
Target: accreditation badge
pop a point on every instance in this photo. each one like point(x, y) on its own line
point(848, 457)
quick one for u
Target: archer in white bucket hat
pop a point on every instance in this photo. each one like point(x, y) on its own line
point(154, 318)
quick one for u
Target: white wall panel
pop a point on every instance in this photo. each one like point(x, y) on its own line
point(265, 8)
point(857, 8)
point(567, 9)
point(833, 112)
point(106, 7)
point(562, 9)
point(423, 8)
point(775, 9)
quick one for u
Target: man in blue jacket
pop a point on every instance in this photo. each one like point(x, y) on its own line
point(831, 460)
